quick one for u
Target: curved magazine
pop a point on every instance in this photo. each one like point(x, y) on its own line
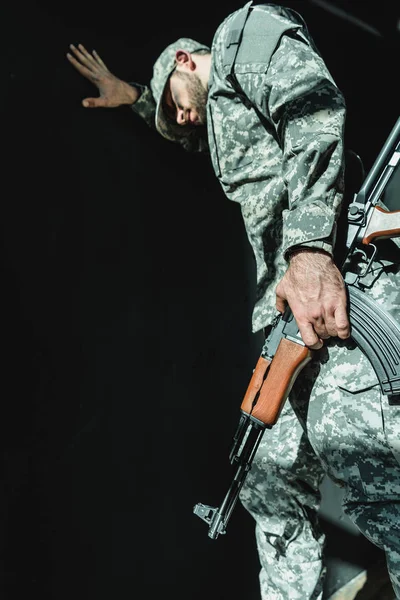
point(377, 335)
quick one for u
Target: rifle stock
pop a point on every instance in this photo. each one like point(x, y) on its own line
point(382, 224)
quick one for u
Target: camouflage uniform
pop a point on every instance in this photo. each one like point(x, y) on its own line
point(286, 171)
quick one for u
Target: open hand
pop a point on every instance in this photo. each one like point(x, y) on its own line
point(315, 291)
point(113, 91)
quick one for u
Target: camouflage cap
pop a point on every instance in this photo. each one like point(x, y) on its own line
point(163, 68)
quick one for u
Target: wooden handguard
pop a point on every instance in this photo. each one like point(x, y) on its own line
point(288, 361)
point(255, 384)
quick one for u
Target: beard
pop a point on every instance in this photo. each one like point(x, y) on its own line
point(198, 95)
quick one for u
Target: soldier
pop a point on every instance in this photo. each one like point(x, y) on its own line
point(263, 103)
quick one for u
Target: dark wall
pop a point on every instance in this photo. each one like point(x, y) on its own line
point(128, 285)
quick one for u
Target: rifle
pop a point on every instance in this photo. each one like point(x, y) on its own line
point(284, 353)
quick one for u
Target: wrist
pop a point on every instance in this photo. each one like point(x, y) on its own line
point(130, 94)
point(305, 250)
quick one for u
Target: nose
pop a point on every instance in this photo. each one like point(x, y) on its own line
point(180, 117)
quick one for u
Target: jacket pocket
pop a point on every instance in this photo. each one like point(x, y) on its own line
point(351, 369)
point(230, 126)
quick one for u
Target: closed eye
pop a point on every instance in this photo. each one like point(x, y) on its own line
point(169, 106)
point(169, 111)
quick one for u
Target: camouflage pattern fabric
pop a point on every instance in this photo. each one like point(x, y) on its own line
point(288, 179)
point(336, 422)
point(281, 493)
point(289, 189)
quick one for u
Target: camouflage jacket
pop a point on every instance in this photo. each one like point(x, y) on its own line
point(282, 158)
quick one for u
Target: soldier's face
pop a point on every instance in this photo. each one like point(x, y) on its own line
point(185, 99)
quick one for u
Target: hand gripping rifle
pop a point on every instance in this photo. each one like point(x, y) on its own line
point(284, 354)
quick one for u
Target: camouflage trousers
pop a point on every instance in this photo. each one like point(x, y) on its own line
point(336, 422)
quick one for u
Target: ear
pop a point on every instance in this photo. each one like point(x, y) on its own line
point(184, 59)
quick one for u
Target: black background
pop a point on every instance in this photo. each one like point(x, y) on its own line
point(128, 285)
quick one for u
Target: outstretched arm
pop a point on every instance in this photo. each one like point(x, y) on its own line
point(113, 92)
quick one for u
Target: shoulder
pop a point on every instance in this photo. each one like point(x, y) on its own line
point(250, 34)
point(264, 14)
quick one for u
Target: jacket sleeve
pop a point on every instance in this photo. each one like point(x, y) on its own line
point(145, 105)
point(308, 112)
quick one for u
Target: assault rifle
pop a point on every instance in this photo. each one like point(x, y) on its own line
point(284, 353)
